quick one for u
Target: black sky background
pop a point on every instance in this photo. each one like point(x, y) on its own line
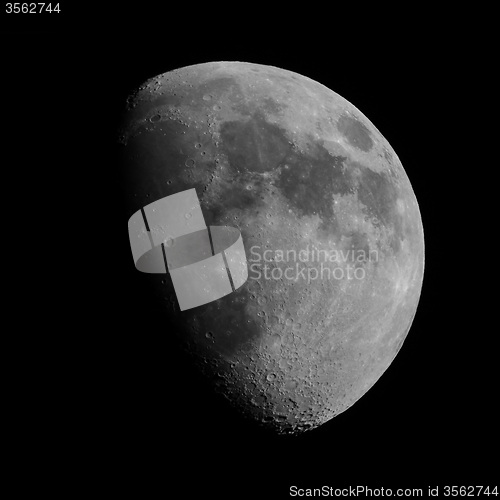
point(104, 386)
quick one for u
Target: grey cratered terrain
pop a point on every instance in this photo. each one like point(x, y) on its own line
point(330, 224)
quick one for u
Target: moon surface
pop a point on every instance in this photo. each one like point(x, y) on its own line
point(330, 224)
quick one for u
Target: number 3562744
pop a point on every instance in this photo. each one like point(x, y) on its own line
point(31, 8)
